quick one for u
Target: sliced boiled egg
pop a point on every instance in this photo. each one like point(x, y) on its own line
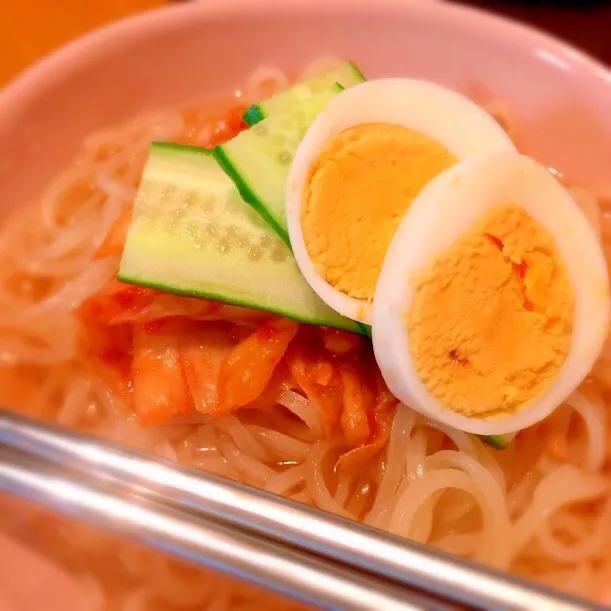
point(493, 300)
point(359, 167)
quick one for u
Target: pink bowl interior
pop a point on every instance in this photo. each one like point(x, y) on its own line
point(561, 97)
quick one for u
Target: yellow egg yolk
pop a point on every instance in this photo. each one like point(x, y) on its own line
point(357, 191)
point(491, 322)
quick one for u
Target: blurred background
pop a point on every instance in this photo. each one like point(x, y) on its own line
point(31, 28)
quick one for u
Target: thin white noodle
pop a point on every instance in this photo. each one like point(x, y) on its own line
point(303, 409)
point(267, 78)
point(73, 405)
point(242, 436)
point(243, 463)
point(46, 356)
point(431, 483)
point(587, 546)
point(342, 492)
point(219, 466)
point(53, 196)
point(414, 458)
point(282, 445)
point(595, 419)
point(493, 493)
point(284, 482)
point(520, 494)
point(69, 296)
point(459, 544)
point(463, 441)
point(403, 423)
point(422, 523)
point(165, 450)
point(316, 482)
point(115, 190)
point(486, 456)
point(563, 486)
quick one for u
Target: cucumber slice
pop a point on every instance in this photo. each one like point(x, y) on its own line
point(258, 159)
point(365, 329)
point(346, 74)
point(192, 234)
point(499, 442)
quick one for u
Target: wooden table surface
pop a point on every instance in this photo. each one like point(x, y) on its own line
point(31, 28)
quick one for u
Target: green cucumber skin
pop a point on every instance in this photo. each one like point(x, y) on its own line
point(357, 71)
point(498, 442)
point(273, 218)
point(245, 303)
point(181, 149)
point(256, 113)
point(252, 115)
point(365, 329)
point(247, 195)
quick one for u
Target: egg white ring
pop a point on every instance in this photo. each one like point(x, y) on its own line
point(445, 116)
point(439, 211)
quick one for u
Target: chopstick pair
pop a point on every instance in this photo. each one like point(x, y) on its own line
point(310, 555)
point(204, 541)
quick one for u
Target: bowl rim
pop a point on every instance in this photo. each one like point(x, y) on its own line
point(73, 55)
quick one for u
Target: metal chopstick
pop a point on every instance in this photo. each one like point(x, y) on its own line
point(307, 578)
point(353, 544)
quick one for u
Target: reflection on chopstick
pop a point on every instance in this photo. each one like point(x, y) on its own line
point(203, 541)
point(264, 515)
